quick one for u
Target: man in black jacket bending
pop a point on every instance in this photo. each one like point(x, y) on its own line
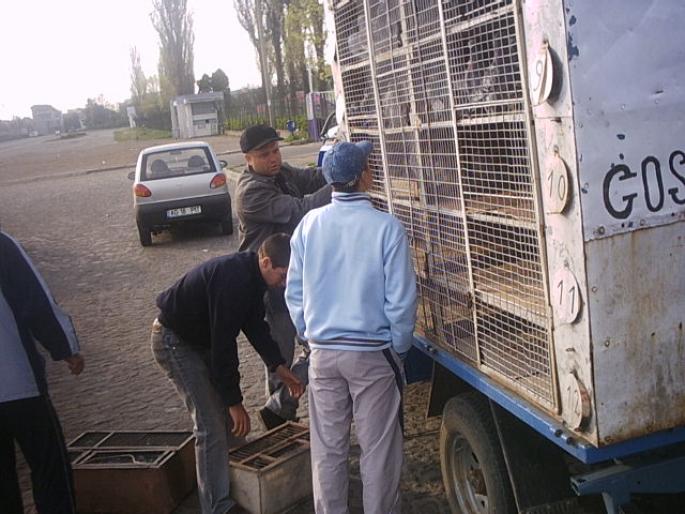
point(194, 341)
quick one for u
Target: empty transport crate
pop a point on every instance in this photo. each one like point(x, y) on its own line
point(132, 472)
point(273, 472)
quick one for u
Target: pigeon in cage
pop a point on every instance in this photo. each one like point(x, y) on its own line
point(462, 9)
point(396, 29)
point(356, 41)
point(484, 76)
point(391, 109)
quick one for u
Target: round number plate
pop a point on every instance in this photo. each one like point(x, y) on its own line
point(556, 185)
point(565, 294)
point(541, 76)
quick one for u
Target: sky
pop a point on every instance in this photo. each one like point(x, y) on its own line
point(62, 52)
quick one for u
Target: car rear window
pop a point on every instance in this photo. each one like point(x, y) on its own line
point(176, 163)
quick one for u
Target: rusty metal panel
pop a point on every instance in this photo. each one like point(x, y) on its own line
point(629, 100)
point(627, 90)
point(273, 472)
point(638, 286)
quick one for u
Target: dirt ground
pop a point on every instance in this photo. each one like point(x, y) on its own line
point(79, 229)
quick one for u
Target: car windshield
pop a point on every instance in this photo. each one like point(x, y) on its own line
point(176, 163)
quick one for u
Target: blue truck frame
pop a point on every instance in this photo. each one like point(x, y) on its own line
point(635, 468)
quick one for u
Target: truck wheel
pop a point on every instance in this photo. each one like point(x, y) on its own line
point(227, 226)
point(473, 469)
point(145, 235)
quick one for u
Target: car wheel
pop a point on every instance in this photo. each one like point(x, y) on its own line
point(473, 469)
point(227, 226)
point(145, 235)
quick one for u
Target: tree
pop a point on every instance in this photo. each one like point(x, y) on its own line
point(294, 41)
point(274, 21)
point(99, 114)
point(317, 38)
point(139, 82)
point(204, 85)
point(246, 11)
point(174, 25)
point(219, 80)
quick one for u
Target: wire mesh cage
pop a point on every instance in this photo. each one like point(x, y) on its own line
point(438, 90)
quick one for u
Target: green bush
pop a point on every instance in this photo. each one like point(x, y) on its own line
point(241, 123)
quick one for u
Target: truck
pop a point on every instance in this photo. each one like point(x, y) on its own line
point(534, 152)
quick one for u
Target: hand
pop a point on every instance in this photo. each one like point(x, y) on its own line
point(295, 386)
point(75, 363)
point(241, 420)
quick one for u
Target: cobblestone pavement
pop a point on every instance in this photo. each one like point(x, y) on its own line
point(80, 232)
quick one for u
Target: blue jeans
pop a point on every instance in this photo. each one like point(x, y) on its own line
point(279, 400)
point(188, 369)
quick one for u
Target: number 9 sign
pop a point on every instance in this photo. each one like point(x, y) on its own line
point(541, 76)
point(565, 296)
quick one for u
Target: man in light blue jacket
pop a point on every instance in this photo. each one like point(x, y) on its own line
point(351, 292)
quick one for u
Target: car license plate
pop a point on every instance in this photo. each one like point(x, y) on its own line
point(183, 211)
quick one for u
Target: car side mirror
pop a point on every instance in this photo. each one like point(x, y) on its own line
point(223, 164)
point(131, 175)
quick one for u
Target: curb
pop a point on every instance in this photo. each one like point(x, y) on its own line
point(115, 168)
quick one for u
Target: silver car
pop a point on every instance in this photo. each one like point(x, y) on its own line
point(180, 182)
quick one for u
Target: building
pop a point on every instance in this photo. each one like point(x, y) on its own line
point(197, 115)
point(46, 119)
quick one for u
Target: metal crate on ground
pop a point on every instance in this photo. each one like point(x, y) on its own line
point(272, 473)
point(132, 472)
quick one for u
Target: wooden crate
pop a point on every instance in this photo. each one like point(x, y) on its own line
point(132, 472)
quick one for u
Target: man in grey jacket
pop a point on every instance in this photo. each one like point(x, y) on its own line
point(272, 197)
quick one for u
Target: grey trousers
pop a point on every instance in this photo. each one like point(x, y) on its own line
point(366, 387)
point(283, 331)
point(187, 369)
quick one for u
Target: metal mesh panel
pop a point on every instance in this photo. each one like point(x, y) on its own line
point(510, 345)
point(484, 66)
point(453, 150)
point(429, 77)
point(470, 10)
point(375, 163)
point(359, 100)
point(273, 448)
point(350, 29)
point(138, 439)
point(447, 290)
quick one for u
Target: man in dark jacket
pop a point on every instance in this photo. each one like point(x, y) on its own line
point(194, 341)
point(273, 197)
point(28, 314)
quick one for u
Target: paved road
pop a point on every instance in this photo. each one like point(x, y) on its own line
point(80, 231)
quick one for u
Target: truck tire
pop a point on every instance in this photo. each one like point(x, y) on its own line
point(145, 235)
point(473, 469)
point(227, 225)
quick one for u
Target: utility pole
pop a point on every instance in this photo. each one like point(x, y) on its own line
point(266, 80)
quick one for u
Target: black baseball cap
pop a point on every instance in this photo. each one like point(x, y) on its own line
point(257, 136)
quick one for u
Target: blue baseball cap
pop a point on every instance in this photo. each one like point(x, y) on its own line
point(345, 162)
